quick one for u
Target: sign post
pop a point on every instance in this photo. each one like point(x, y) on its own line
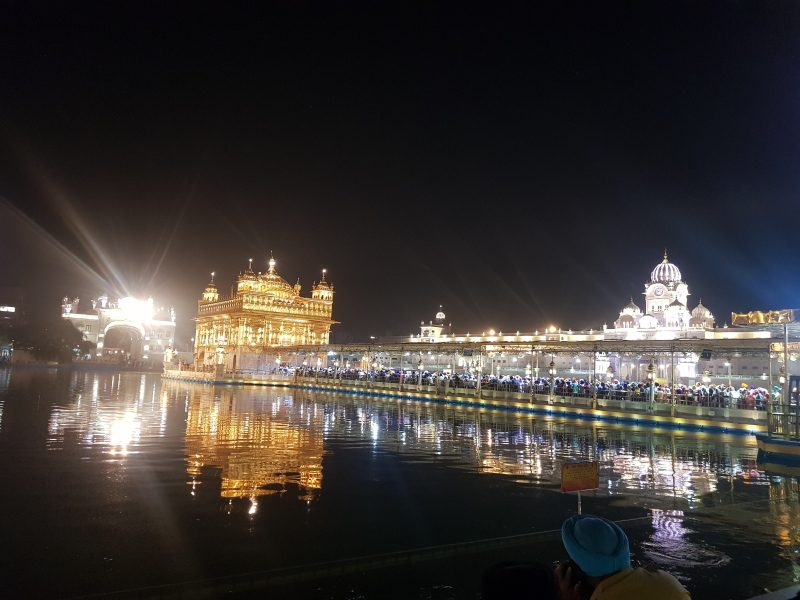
point(580, 476)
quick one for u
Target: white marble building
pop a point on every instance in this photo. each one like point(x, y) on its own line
point(666, 311)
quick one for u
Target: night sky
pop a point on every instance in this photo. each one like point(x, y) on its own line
point(522, 166)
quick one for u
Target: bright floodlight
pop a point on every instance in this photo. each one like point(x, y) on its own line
point(137, 310)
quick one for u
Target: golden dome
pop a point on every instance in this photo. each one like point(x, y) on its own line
point(248, 274)
point(274, 283)
point(323, 284)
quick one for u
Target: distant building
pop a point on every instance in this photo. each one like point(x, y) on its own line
point(435, 329)
point(666, 316)
point(126, 330)
point(263, 314)
point(666, 313)
point(12, 311)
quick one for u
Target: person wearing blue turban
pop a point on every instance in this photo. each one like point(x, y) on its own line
point(600, 565)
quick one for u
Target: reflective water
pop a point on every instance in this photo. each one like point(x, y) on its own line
point(116, 481)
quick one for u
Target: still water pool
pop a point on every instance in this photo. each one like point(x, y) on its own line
point(116, 481)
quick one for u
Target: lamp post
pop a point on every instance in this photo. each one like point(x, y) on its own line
point(728, 364)
point(651, 376)
point(528, 373)
point(552, 379)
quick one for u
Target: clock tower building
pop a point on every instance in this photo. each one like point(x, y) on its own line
point(666, 297)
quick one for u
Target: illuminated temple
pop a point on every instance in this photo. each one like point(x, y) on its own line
point(263, 314)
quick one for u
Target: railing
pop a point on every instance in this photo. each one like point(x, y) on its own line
point(633, 401)
point(784, 420)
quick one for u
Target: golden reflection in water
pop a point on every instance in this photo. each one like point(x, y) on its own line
point(785, 513)
point(260, 449)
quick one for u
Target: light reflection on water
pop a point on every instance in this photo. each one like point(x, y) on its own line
point(259, 443)
point(262, 440)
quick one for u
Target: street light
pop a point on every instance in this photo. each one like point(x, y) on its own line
point(727, 364)
point(552, 379)
point(651, 376)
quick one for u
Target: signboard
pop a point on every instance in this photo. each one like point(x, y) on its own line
point(778, 347)
point(761, 317)
point(579, 476)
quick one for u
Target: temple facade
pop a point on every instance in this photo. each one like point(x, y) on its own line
point(263, 314)
point(126, 330)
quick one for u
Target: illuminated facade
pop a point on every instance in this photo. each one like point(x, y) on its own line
point(434, 329)
point(264, 313)
point(125, 330)
point(666, 316)
point(666, 298)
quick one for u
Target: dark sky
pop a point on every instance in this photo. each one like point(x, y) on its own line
point(521, 165)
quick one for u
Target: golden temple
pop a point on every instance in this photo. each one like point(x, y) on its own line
point(262, 314)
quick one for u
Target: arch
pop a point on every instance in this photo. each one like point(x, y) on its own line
point(125, 323)
point(123, 341)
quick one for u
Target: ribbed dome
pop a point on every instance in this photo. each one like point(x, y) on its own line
point(632, 307)
point(272, 282)
point(648, 322)
point(701, 311)
point(665, 272)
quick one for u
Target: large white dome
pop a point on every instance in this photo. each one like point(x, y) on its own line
point(665, 272)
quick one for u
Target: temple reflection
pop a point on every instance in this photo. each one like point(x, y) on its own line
point(259, 452)
point(262, 446)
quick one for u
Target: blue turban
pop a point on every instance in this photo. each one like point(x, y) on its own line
point(598, 546)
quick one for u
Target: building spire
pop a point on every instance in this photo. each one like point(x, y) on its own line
point(665, 256)
point(271, 262)
point(212, 276)
point(323, 274)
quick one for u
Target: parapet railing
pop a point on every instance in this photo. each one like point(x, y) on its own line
point(513, 395)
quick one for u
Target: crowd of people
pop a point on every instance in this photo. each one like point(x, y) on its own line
point(698, 394)
point(599, 568)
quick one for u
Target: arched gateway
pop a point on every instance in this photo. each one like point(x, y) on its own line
point(128, 330)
